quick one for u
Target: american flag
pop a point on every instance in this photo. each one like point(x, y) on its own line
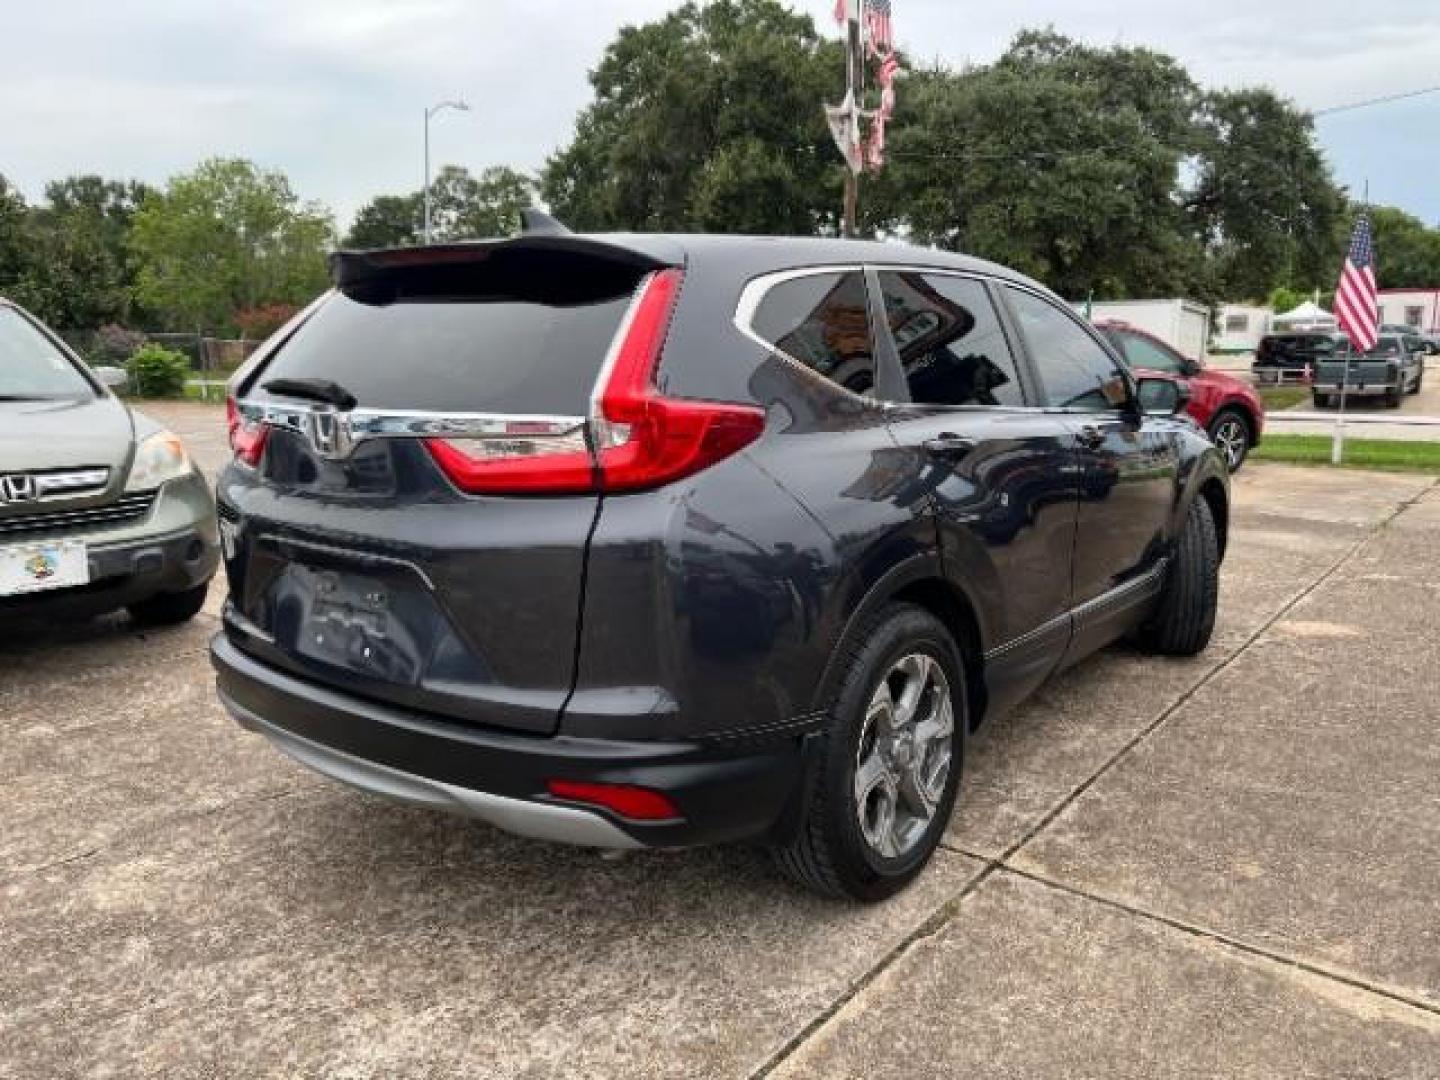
point(842, 11)
point(877, 25)
point(1356, 297)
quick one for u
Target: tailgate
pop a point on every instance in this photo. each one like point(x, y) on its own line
point(356, 558)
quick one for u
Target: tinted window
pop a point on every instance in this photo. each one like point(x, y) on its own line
point(469, 347)
point(820, 320)
point(1076, 371)
point(31, 366)
point(1141, 352)
point(951, 346)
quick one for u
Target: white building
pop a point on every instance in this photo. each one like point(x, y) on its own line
point(1417, 308)
point(1241, 328)
point(1182, 324)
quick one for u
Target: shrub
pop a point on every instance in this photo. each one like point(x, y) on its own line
point(115, 345)
point(264, 320)
point(156, 371)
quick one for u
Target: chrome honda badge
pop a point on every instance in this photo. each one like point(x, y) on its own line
point(330, 433)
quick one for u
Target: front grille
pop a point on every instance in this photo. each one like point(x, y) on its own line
point(126, 508)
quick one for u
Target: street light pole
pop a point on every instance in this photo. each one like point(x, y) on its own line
point(459, 106)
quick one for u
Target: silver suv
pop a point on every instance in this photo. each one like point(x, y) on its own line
point(100, 507)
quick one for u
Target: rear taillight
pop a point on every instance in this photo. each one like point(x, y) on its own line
point(642, 439)
point(247, 437)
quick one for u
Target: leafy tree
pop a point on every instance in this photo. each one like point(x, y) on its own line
point(82, 273)
point(462, 207)
point(1264, 204)
point(1407, 252)
point(225, 237)
point(388, 221)
point(15, 254)
point(709, 118)
point(1060, 159)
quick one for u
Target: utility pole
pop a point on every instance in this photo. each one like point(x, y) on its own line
point(460, 106)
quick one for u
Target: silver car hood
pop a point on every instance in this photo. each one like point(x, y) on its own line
point(36, 436)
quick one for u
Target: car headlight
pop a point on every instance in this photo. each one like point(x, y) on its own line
point(159, 458)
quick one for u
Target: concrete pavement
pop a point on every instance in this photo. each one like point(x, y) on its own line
point(1224, 866)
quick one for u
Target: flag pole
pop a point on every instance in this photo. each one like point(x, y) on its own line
point(854, 88)
point(1337, 441)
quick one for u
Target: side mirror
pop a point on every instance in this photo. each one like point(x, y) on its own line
point(113, 377)
point(1163, 397)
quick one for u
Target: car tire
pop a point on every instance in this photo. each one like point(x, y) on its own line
point(834, 851)
point(169, 609)
point(1419, 382)
point(1232, 433)
point(1392, 399)
point(1184, 616)
point(1321, 401)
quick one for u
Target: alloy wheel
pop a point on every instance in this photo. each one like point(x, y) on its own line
point(1232, 440)
point(904, 756)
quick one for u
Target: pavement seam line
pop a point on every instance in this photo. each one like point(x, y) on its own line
point(1355, 982)
point(928, 928)
point(1189, 693)
point(942, 915)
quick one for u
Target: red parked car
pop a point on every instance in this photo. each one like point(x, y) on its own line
point(1227, 408)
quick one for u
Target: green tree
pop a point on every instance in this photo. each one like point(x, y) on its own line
point(1407, 252)
point(462, 207)
point(388, 221)
point(15, 253)
point(228, 236)
point(709, 118)
point(1060, 159)
point(83, 273)
point(1264, 204)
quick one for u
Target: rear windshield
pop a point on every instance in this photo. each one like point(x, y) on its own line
point(31, 367)
point(477, 342)
point(1300, 345)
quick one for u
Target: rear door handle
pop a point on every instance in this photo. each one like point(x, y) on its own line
point(1090, 437)
point(948, 445)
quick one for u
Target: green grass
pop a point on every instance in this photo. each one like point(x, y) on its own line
point(1390, 455)
point(1277, 398)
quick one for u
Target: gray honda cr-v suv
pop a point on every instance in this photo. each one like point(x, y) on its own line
point(667, 540)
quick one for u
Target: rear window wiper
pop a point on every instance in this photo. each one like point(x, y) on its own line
point(321, 390)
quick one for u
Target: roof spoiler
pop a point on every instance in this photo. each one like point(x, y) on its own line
point(351, 269)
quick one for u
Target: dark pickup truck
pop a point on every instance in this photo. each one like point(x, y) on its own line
point(1393, 368)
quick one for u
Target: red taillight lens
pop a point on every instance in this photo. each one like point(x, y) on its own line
point(247, 437)
point(635, 803)
point(642, 439)
point(646, 439)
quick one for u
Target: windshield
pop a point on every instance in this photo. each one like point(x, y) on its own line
point(31, 368)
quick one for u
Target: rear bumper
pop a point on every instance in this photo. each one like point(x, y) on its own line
point(500, 777)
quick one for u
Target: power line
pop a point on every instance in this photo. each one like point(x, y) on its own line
point(1374, 101)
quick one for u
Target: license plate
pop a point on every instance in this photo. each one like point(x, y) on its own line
point(27, 568)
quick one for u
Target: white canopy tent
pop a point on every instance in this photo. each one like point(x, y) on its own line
point(1308, 316)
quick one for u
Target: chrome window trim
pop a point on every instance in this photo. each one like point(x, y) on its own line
point(757, 288)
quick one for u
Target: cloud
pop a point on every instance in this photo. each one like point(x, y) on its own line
point(331, 91)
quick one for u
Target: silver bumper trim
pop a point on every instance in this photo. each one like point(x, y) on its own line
point(536, 820)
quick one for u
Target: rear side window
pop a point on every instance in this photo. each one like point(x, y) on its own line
point(952, 348)
point(486, 341)
point(821, 321)
point(1076, 371)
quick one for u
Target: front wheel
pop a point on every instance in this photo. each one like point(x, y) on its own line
point(889, 769)
point(1392, 399)
point(1230, 432)
point(1184, 616)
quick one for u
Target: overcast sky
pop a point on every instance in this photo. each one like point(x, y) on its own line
point(332, 91)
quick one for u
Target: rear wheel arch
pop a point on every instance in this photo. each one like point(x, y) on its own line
point(918, 581)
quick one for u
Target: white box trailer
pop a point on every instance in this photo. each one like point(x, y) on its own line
point(1183, 324)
